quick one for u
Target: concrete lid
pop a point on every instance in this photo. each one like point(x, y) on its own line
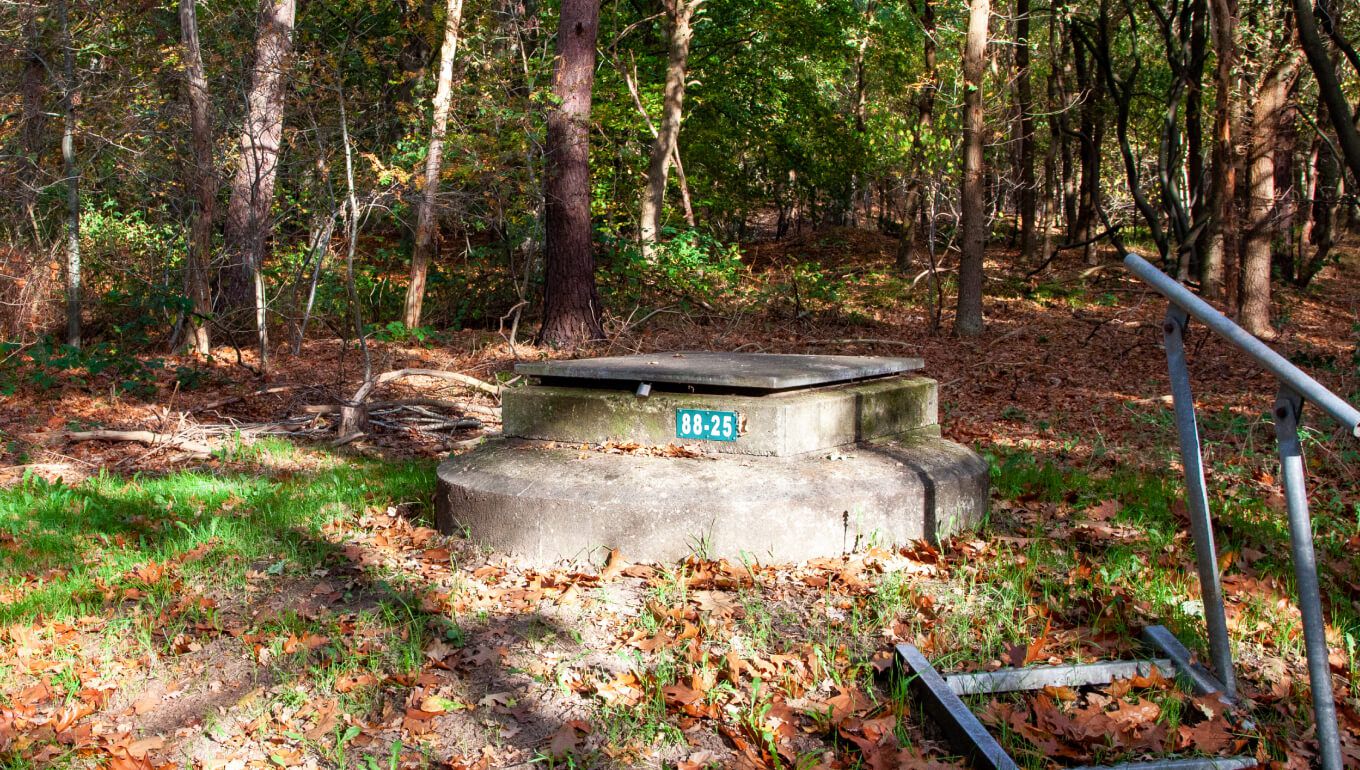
point(764, 371)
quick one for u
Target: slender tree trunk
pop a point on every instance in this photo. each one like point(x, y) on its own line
point(203, 181)
point(858, 184)
point(968, 317)
point(1029, 192)
point(427, 223)
point(1329, 89)
point(1090, 149)
point(1324, 195)
point(1321, 233)
point(679, 29)
point(913, 209)
point(1271, 100)
point(1283, 253)
point(1222, 239)
point(1194, 128)
point(70, 97)
point(248, 223)
point(571, 304)
point(1064, 139)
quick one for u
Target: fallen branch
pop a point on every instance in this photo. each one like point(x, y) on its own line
point(396, 374)
point(142, 437)
point(439, 403)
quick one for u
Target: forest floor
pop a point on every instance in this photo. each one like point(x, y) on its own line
point(283, 602)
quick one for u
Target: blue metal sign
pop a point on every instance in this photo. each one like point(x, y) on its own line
point(706, 424)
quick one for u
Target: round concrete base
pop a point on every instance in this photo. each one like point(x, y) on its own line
point(548, 505)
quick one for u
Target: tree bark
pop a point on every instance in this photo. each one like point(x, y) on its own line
point(968, 317)
point(70, 97)
point(203, 181)
point(679, 18)
point(1271, 101)
point(33, 120)
point(427, 224)
point(571, 304)
point(248, 222)
point(1029, 191)
point(1222, 239)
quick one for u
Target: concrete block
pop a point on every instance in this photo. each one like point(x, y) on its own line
point(550, 505)
point(776, 425)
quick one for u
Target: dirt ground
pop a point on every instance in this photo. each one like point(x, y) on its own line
point(703, 664)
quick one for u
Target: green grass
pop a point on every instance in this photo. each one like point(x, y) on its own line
point(70, 550)
point(157, 558)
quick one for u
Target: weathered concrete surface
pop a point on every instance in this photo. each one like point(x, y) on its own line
point(766, 371)
point(778, 425)
point(550, 505)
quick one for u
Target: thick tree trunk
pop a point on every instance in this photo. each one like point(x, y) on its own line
point(973, 211)
point(1271, 100)
point(1029, 193)
point(427, 223)
point(913, 208)
point(1222, 240)
point(571, 305)
point(33, 120)
point(679, 15)
point(248, 223)
point(68, 158)
point(203, 181)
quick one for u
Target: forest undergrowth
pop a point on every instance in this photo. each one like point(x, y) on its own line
point(279, 601)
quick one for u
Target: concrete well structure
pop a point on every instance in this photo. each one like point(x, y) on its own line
point(802, 456)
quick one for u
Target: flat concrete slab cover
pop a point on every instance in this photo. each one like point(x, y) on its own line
point(761, 371)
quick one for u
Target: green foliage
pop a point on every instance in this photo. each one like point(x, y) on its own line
point(50, 364)
point(396, 331)
point(689, 264)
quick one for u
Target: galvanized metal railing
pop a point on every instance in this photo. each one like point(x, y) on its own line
point(1295, 389)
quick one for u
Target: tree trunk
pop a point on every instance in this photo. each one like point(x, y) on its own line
point(72, 173)
point(248, 223)
point(1271, 100)
point(968, 317)
point(1194, 129)
point(1029, 192)
point(1283, 252)
point(33, 120)
point(203, 181)
point(679, 16)
point(913, 209)
point(427, 224)
point(1064, 139)
point(1092, 138)
point(1326, 185)
point(1223, 227)
point(571, 305)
